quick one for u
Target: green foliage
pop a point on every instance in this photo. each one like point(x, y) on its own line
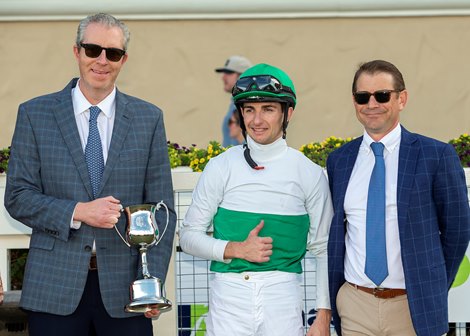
point(17, 264)
point(4, 157)
point(462, 147)
point(179, 156)
point(319, 151)
point(200, 156)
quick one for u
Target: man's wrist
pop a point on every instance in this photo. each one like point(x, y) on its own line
point(232, 250)
point(324, 314)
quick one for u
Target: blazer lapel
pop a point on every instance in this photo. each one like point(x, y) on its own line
point(407, 161)
point(121, 127)
point(68, 127)
point(344, 174)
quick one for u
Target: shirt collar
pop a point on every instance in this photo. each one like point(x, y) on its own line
point(390, 141)
point(265, 153)
point(81, 104)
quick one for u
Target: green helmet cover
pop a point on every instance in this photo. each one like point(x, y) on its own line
point(262, 70)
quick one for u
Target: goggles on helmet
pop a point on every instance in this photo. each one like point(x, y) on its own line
point(265, 83)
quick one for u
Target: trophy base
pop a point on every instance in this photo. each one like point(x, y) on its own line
point(147, 294)
point(145, 305)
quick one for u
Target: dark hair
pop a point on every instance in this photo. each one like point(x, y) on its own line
point(378, 66)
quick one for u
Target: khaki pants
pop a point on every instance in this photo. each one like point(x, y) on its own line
point(363, 314)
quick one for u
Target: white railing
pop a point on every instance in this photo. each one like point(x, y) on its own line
point(13, 235)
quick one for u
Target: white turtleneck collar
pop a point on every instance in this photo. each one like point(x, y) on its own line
point(264, 153)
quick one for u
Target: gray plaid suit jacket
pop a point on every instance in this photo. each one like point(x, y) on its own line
point(48, 175)
point(433, 223)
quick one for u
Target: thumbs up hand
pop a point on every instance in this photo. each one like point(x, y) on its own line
point(253, 249)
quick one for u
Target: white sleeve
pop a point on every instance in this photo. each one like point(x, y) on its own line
point(320, 210)
point(206, 198)
point(73, 223)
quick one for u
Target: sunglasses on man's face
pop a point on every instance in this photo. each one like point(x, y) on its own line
point(94, 51)
point(381, 96)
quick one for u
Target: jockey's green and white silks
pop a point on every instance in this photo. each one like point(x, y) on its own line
point(289, 234)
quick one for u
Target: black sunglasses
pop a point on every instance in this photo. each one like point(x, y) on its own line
point(94, 51)
point(381, 96)
point(260, 83)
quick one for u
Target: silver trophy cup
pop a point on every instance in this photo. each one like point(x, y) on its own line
point(146, 292)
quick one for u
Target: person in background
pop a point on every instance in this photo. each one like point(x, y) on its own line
point(268, 204)
point(401, 218)
point(231, 71)
point(77, 157)
point(235, 129)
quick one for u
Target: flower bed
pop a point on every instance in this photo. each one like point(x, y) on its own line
point(319, 151)
point(196, 158)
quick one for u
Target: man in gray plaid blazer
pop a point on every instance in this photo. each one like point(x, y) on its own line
point(78, 270)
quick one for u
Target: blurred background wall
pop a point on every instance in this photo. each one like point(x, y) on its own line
point(172, 56)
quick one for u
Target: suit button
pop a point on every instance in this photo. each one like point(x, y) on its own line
point(88, 248)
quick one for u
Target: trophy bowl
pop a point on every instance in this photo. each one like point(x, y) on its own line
point(142, 232)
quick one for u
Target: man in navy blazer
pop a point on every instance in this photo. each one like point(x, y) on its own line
point(78, 270)
point(426, 218)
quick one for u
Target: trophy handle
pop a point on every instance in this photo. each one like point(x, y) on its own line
point(156, 208)
point(119, 233)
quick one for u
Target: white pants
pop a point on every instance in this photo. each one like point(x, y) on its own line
point(255, 304)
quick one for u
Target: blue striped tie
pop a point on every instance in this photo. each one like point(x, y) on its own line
point(376, 250)
point(94, 152)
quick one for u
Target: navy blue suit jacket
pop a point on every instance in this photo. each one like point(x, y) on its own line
point(433, 220)
point(48, 175)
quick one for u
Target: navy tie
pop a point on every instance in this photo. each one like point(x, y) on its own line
point(94, 152)
point(376, 251)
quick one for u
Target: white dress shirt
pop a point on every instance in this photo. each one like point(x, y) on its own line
point(105, 120)
point(81, 109)
point(355, 205)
